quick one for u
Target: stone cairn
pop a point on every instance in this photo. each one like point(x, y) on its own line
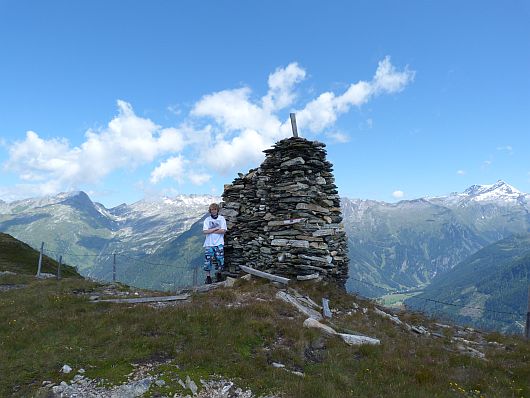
point(284, 217)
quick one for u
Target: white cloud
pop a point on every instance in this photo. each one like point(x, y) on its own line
point(281, 84)
point(233, 110)
point(171, 168)
point(224, 131)
point(388, 79)
point(338, 137)
point(461, 172)
point(243, 128)
point(127, 142)
point(174, 109)
point(199, 178)
point(398, 194)
point(241, 149)
point(322, 112)
point(507, 148)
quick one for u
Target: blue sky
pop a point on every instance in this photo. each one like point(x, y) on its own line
point(127, 100)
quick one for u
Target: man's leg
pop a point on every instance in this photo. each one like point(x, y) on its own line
point(220, 257)
point(208, 255)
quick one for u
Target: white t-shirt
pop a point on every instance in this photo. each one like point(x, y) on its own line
point(214, 239)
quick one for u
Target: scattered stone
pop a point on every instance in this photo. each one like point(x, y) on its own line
point(353, 339)
point(350, 339)
point(4, 288)
point(229, 282)
point(325, 307)
point(296, 373)
point(134, 389)
point(419, 330)
point(313, 323)
point(160, 383)
point(66, 369)
point(45, 275)
point(7, 273)
point(191, 385)
point(470, 351)
point(307, 277)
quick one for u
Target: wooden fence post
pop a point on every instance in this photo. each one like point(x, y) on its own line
point(40, 259)
point(59, 267)
point(195, 276)
point(114, 268)
point(527, 331)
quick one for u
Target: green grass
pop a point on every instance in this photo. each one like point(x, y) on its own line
point(395, 300)
point(237, 333)
point(18, 257)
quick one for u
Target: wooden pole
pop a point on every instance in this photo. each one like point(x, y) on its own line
point(325, 308)
point(114, 268)
point(59, 267)
point(40, 260)
point(293, 124)
point(527, 331)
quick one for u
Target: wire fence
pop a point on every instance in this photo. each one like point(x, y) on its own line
point(115, 265)
point(441, 303)
point(140, 258)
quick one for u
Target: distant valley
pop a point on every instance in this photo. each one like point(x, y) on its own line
point(393, 246)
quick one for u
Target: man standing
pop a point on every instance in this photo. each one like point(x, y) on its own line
point(214, 227)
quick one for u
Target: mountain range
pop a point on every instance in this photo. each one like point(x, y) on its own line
point(394, 247)
point(488, 289)
point(405, 245)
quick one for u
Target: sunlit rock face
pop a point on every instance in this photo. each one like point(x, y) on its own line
point(284, 217)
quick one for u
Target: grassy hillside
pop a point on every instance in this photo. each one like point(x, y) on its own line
point(237, 334)
point(495, 278)
point(20, 258)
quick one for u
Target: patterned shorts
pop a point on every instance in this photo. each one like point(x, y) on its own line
point(214, 255)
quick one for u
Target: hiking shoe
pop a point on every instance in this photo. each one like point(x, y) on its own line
point(218, 277)
point(208, 280)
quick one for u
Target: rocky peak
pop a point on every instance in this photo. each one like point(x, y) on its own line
point(498, 191)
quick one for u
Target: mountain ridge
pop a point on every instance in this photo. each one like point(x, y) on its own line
point(393, 246)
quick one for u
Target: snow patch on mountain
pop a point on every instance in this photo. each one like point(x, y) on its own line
point(500, 193)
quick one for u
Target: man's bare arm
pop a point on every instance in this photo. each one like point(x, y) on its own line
point(214, 231)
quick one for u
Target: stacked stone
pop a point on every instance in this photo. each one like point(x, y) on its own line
point(284, 217)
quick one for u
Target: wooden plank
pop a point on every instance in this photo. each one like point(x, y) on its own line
point(144, 299)
point(265, 275)
point(311, 313)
